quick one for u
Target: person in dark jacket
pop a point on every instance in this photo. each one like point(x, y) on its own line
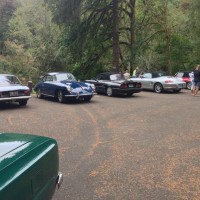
point(196, 80)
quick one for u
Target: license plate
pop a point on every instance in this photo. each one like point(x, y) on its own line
point(130, 85)
point(180, 85)
point(14, 93)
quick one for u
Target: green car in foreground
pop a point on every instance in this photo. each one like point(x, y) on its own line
point(28, 167)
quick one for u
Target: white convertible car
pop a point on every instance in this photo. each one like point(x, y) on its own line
point(159, 82)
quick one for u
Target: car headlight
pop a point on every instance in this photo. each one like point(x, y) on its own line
point(92, 86)
point(69, 88)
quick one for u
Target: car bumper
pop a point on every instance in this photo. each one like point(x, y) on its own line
point(15, 98)
point(174, 86)
point(125, 91)
point(59, 180)
point(78, 96)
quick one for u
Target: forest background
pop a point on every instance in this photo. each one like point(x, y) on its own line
point(86, 37)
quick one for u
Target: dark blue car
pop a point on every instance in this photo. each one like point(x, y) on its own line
point(63, 86)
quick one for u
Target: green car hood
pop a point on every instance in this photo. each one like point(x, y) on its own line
point(11, 142)
point(28, 166)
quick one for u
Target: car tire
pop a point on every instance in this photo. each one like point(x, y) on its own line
point(176, 91)
point(129, 94)
point(109, 91)
point(38, 94)
point(23, 102)
point(87, 99)
point(188, 85)
point(60, 96)
point(158, 88)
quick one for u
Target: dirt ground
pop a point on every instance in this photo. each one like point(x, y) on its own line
point(144, 147)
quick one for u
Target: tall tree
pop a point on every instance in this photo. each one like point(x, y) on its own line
point(116, 35)
point(32, 39)
point(7, 8)
point(194, 25)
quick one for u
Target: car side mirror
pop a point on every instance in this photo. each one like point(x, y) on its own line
point(95, 79)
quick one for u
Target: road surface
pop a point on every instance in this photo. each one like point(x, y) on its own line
point(146, 147)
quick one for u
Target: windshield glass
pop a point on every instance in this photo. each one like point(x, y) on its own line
point(67, 76)
point(180, 75)
point(9, 80)
point(158, 74)
point(116, 77)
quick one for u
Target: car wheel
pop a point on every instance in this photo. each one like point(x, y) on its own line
point(109, 91)
point(158, 88)
point(60, 96)
point(176, 91)
point(23, 102)
point(188, 85)
point(87, 99)
point(129, 94)
point(38, 94)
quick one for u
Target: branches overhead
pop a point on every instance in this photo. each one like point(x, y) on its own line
point(90, 35)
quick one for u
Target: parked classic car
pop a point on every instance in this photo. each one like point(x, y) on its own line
point(28, 167)
point(12, 90)
point(185, 77)
point(112, 83)
point(159, 82)
point(63, 86)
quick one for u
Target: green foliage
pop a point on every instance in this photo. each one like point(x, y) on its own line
point(76, 36)
point(33, 40)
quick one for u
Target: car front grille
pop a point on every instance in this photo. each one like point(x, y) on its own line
point(11, 94)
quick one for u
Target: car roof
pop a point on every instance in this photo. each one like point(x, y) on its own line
point(55, 73)
point(184, 71)
point(7, 75)
point(109, 73)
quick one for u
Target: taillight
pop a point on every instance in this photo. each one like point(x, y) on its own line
point(123, 86)
point(169, 81)
point(27, 92)
point(138, 85)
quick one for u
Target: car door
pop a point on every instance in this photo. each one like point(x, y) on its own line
point(41, 85)
point(147, 81)
point(100, 84)
point(49, 86)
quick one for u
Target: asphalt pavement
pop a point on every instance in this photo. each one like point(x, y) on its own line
point(144, 147)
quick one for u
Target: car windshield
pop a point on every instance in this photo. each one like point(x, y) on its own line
point(179, 74)
point(158, 74)
point(9, 80)
point(116, 77)
point(66, 76)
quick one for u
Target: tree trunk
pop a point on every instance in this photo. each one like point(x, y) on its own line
point(116, 35)
point(132, 33)
point(168, 36)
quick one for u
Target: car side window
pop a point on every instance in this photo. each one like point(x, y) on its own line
point(100, 77)
point(186, 74)
point(54, 78)
point(49, 78)
point(147, 75)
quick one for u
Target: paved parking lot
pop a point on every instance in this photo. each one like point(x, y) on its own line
point(145, 147)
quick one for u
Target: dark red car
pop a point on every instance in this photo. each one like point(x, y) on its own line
point(185, 77)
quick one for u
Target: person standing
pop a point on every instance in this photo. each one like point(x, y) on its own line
point(196, 80)
point(136, 72)
point(126, 75)
point(191, 74)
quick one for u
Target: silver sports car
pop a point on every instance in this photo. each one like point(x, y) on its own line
point(159, 82)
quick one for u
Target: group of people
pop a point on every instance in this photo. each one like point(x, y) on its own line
point(195, 80)
point(136, 73)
